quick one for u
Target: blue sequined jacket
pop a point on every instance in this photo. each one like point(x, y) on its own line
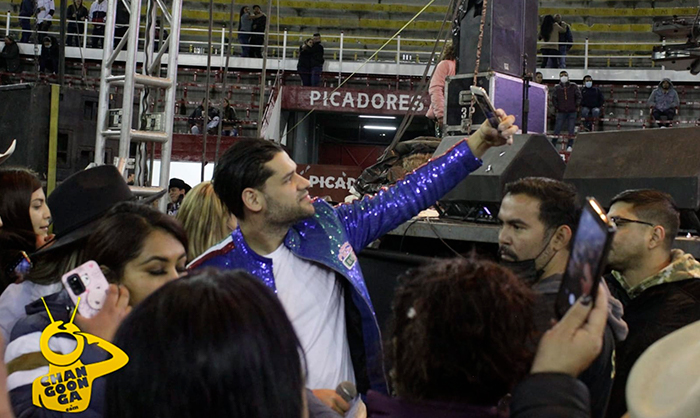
point(333, 235)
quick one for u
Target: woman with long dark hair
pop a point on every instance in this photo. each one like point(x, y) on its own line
point(139, 250)
point(245, 24)
point(549, 32)
point(26, 219)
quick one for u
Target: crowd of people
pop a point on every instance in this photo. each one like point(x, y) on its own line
point(248, 298)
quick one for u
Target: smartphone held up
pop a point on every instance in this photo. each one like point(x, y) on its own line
point(589, 252)
point(89, 284)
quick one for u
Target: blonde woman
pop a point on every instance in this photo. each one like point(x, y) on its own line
point(205, 219)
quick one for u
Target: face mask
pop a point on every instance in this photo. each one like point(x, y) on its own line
point(564, 79)
point(589, 84)
point(527, 269)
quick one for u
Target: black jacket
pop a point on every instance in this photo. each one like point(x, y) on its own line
point(592, 98)
point(306, 58)
point(77, 13)
point(550, 395)
point(317, 59)
point(655, 313)
point(196, 116)
point(10, 54)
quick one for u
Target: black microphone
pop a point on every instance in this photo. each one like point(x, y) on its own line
point(347, 391)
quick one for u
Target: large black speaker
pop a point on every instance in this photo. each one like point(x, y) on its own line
point(510, 33)
point(529, 156)
point(604, 164)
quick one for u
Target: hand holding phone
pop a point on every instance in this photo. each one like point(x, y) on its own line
point(89, 284)
point(589, 251)
point(482, 100)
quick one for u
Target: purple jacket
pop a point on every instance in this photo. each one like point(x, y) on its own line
point(334, 234)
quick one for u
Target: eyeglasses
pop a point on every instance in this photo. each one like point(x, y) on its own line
point(623, 221)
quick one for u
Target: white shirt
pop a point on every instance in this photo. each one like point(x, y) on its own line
point(314, 302)
point(97, 7)
point(44, 14)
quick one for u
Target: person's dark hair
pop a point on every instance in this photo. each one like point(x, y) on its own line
point(461, 331)
point(655, 207)
point(540, 73)
point(547, 27)
point(561, 73)
point(256, 5)
point(449, 52)
point(558, 202)
point(317, 34)
point(243, 166)
point(243, 10)
point(214, 344)
point(49, 267)
point(587, 76)
point(120, 235)
point(16, 188)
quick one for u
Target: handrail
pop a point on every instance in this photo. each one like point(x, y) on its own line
point(352, 48)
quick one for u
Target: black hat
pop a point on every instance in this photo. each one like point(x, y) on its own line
point(179, 184)
point(82, 199)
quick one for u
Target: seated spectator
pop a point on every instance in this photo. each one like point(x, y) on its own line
point(77, 205)
point(249, 360)
point(77, 14)
point(205, 219)
point(147, 252)
point(658, 286)
point(539, 78)
point(98, 15)
point(48, 61)
point(445, 68)
point(23, 207)
point(663, 103)
point(10, 55)
point(592, 102)
point(305, 62)
point(177, 189)
point(196, 119)
point(230, 120)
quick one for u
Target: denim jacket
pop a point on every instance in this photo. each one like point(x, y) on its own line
point(333, 235)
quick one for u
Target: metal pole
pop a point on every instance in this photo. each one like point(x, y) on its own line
point(85, 31)
point(340, 59)
point(398, 55)
point(129, 75)
point(62, 45)
point(105, 72)
point(284, 46)
point(261, 102)
point(7, 24)
point(225, 76)
point(205, 110)
point(165, 148)
point(585, 59)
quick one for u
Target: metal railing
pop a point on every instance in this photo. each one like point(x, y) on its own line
point(285, 46)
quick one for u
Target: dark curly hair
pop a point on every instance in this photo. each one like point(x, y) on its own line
point(461, 332)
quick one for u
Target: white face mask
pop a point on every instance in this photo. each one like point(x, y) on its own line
point(564, 79)
point(589, 84)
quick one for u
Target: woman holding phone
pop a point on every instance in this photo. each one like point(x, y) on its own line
point(147, 252)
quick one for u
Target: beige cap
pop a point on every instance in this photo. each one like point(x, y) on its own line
point(665, 380)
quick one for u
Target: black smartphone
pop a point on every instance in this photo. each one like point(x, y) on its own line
point(588, 256)
point(21, 266)
point(484, 103)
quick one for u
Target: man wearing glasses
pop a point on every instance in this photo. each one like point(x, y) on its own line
point(659, 286)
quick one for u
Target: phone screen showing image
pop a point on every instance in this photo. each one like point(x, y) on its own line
point(488, 110)
point(582, 273)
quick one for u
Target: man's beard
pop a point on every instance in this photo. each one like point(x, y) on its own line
point(284, 215)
